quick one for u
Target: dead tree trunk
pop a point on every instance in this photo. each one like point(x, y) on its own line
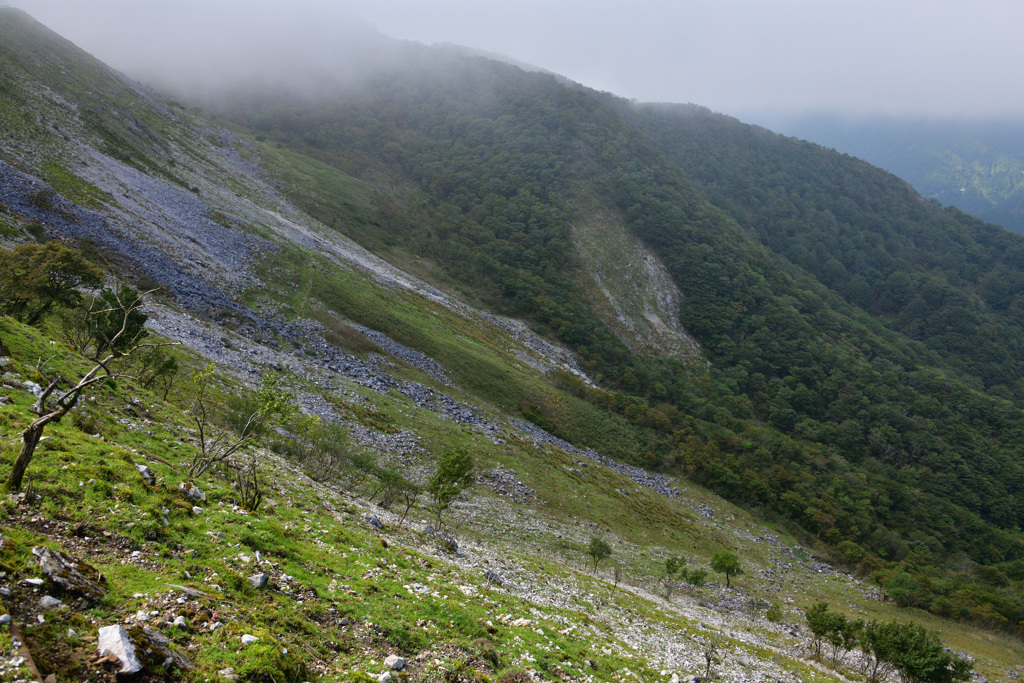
point(29, 440)
point(31, 436)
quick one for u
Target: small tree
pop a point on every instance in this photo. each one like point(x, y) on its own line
point(819, 620)
point(158, 370)
point(53, 402)
point(833, 628)
point(673, 567)
point(727, 563)
point(710, 647)
point(915, 653)
point(843, 638)
point(695, 577)
point(271, 405)
point(878, 645)
point(247, 484)
point(454, 475)
point(391, 487)
point(34, 279)
point(598, 550)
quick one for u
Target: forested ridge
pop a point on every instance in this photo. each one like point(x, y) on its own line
point(864, 344)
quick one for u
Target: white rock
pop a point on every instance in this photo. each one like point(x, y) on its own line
point(248, 639)
point(5, 619)
point(385, 677)
point(114, 639)
point(394, 662)
point(196, 510)
point(179, 621)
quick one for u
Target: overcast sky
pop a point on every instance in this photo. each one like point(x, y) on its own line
point(914, 57)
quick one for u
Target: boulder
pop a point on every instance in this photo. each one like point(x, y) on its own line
point(249, 639)
point(157, 648)
point(373, 521)
point(70, 574)
point(394, 662)
point(138, 647)
point(116, 641)
point(259, 580)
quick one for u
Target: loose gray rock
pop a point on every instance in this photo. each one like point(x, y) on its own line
point(249, 639)
point(156, 645)
point(394, 662)
point(114, 639)
point(5, 619)
point(49, 602)
point(191, 491)
point(147, 474)
point(492, 577)
point(373, 521)
point(385, 677)
point(196, 510)
point(704, 511)
point(229, 675)
point(180, 621)
point(259, 580)
point(71, 574)
point(448, 541)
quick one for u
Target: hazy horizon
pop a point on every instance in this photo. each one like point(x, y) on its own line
point(906, 58)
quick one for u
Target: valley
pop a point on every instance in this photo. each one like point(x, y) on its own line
point(649, 326)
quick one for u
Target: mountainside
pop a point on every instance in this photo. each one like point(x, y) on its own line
point(607, 305)
point(863, 343)
point(977, 167)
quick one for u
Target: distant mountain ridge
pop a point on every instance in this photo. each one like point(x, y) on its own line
point(976, 166)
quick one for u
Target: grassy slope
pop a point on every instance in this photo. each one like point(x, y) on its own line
point(342, 569)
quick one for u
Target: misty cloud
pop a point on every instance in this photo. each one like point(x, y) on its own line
point(937, 58)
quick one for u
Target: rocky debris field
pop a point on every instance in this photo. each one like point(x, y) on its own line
point(656, 482)
point(21, 193)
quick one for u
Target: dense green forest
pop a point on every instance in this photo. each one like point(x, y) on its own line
point(864, 344)
point(974, 165)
